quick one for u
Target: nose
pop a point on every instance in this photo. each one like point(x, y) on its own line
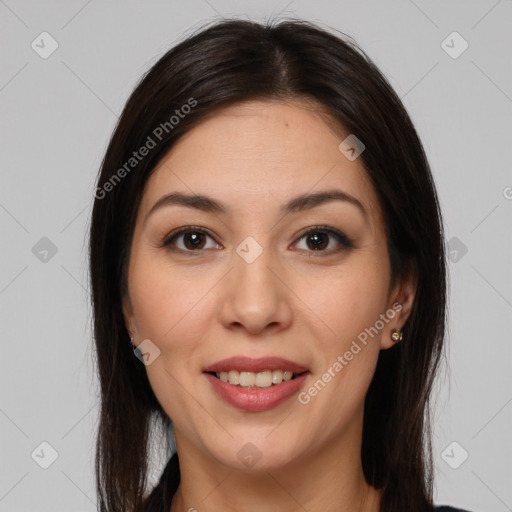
point(254, 297)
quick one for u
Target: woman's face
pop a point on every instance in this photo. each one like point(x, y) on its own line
point(246, 280)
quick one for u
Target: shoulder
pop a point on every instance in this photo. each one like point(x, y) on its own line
point(446, 508)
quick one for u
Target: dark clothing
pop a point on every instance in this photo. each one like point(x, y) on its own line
point(170, 479)
point(445, 508)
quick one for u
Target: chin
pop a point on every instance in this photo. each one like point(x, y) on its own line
point(255, 453)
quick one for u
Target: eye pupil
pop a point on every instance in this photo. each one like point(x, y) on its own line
point(318, 243)
point(195, 238)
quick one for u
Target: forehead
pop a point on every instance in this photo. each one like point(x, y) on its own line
point(261, 152)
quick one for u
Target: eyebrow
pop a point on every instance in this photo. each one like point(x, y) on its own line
point(297, 204)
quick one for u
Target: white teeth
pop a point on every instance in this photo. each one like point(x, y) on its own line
point(277, 376)
point(247, 379)
point(287, 375)
point(263, 379)
point(234, 377)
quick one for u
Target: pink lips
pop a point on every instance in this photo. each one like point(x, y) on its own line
point(256, 399)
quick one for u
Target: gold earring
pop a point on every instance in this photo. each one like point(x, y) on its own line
point(396, 335)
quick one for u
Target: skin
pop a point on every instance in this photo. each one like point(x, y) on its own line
point(207, 304)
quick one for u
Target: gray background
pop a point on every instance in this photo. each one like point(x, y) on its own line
point(57, 114)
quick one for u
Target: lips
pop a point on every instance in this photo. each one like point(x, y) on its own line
point(251, 398)
point(247, 364)
point(256, 399)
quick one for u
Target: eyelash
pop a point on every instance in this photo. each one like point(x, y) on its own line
point(341, 237)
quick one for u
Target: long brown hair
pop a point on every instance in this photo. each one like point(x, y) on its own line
point(233, 61)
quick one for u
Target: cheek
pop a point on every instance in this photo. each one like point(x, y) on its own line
point(165, 298)
point(349, 300)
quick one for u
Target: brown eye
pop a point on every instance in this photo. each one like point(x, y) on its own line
point(318, 241)
point(189, 239)
point(193, 240)
point(319, 238)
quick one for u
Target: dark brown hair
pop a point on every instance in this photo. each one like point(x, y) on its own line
point(228, 62)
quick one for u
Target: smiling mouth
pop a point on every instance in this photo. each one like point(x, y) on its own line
point(264, 379)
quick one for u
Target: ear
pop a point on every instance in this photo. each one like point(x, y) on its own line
point(129, 317)
point(400, 301)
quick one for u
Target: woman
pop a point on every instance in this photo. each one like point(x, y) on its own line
point(267, 240)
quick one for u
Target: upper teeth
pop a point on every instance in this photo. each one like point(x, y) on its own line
point(262, 379)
